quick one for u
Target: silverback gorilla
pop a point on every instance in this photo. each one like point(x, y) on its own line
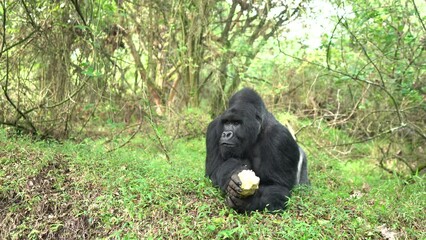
point(247, 136)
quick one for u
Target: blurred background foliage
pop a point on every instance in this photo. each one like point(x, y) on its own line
point(77, 69)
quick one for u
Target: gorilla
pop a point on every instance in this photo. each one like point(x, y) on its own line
point(248, 137)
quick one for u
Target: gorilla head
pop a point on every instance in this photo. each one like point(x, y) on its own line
point(241, 124)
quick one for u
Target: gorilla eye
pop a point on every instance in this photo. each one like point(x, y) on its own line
point(232, 122)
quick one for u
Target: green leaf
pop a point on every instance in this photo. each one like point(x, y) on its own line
point(91, 72)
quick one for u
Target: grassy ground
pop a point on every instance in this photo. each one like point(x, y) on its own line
point(75, 191)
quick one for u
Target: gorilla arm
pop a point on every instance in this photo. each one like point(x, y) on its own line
point(271, 197)
point(277, 167)
point(220, 170)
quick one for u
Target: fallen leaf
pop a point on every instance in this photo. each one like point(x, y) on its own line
point(387, 233)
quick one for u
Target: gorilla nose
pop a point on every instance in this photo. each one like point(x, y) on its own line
point(226, 135)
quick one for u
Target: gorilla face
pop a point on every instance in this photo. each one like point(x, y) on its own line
point(241, 126)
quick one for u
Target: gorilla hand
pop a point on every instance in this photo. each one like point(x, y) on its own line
point(234, 186)
point(239, 204)
point(243, 184)
point(235, 199)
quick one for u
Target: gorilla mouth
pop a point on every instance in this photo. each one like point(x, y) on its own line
point(229, 145)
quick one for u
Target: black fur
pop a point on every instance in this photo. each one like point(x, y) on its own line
point(247, 136)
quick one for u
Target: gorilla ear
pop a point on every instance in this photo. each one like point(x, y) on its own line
point(258, 118)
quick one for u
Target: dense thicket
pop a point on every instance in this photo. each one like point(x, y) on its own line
point(69, 67)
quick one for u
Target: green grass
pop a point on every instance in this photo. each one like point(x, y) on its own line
point(79, 190)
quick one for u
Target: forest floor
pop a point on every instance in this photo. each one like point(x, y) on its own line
point(70, 190)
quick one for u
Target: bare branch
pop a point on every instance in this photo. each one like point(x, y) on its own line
point(33, 23)
point(331, 39)
point(3, 5)
point(225, 33)
point(391, 130)
point(11, 102)
point(418, 15)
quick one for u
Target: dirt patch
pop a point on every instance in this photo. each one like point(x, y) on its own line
point(48, 206)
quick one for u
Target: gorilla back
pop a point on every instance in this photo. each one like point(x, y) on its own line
point(248, 137)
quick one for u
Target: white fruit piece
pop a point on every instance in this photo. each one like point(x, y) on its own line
point(249, 182)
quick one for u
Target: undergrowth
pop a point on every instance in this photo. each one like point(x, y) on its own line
point(80, 190)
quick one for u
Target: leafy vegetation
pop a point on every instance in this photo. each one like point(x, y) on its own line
point(67, 69)
point(72, 190)
point(103, 105)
